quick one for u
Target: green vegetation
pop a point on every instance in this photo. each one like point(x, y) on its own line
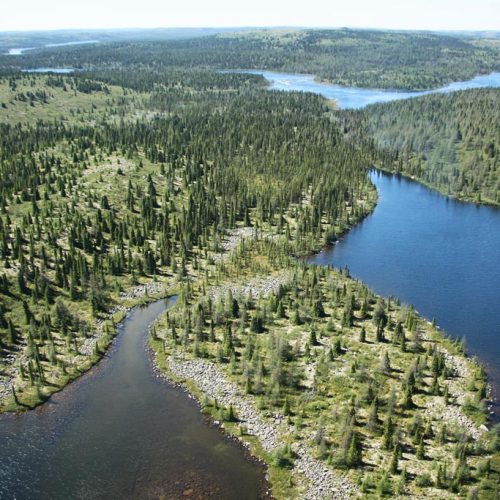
point(151, 167)
point(131, 186)
point(366, 384)
point(448, 141)
point(54, 98)
point(349, 57)
point(23, 39)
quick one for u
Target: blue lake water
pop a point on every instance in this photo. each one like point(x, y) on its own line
point(354, 97)
point(20, 50)
point(59, 71)
point(441, 255)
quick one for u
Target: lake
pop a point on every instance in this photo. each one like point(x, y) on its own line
point(441, 255)
point(355, 97)
point(121, 432)
point(59, 71)
point(20, 50)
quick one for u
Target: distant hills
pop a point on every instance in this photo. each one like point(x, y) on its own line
point(14, 39)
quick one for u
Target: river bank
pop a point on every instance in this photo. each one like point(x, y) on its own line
point(84, 433)
point(228, 386)
point(359, 97)
point(18, 394)
point(325, 356)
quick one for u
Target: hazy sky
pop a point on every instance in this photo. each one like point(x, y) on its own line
point(409, 14)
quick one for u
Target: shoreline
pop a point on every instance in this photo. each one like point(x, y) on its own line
point(175, 383)
point(104, 336)
point(456, 198)
point(202, 379)
point(190, 376)
point(256, 450)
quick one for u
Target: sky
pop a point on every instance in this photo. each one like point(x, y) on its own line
point(392, 14)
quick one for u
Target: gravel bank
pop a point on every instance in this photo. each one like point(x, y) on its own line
point(139, 291)
point(253, 287)
point(231, 241)
point(323, 482)
point(453, 414)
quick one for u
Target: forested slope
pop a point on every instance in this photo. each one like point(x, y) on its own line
point(405, 60)
point(191, 181)
point(140, 186)
point(449, 141)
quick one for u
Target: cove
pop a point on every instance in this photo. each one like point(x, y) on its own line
point(436, 253)
point(356, 97)
point(119, 431)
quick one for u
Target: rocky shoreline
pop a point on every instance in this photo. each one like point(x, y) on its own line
point(453, 414)
point(135, 293)
point(271, 432)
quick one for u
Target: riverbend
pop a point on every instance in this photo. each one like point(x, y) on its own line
point(120, 431)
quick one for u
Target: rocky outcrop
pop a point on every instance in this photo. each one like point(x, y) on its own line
point(231, 241)
point(253, 287)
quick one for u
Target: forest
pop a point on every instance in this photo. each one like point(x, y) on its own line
point(448, 141)
point(363, 58)
point(38, 39)
point(129, 186)
point(152, 167)
point(363, 380)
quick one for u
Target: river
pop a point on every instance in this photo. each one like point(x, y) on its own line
point(439, 254)
point(121, 432)
point(355, 97)
point(21, 50)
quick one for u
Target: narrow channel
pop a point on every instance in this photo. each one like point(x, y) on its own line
point(121, 432)
point(356, 97)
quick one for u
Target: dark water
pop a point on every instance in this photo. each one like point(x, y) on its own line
point(119, 432)
point(440, 255)
point(354, 97)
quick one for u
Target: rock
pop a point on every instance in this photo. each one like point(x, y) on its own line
point(323, 482)
point(138, 291)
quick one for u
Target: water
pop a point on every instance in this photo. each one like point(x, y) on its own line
point(20, 50)
point(59, 71)
point(441, 255)
point(355, 97)
point(120, 432)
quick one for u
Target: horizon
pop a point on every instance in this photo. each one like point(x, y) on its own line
point(428, 15)
point(248, 28)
